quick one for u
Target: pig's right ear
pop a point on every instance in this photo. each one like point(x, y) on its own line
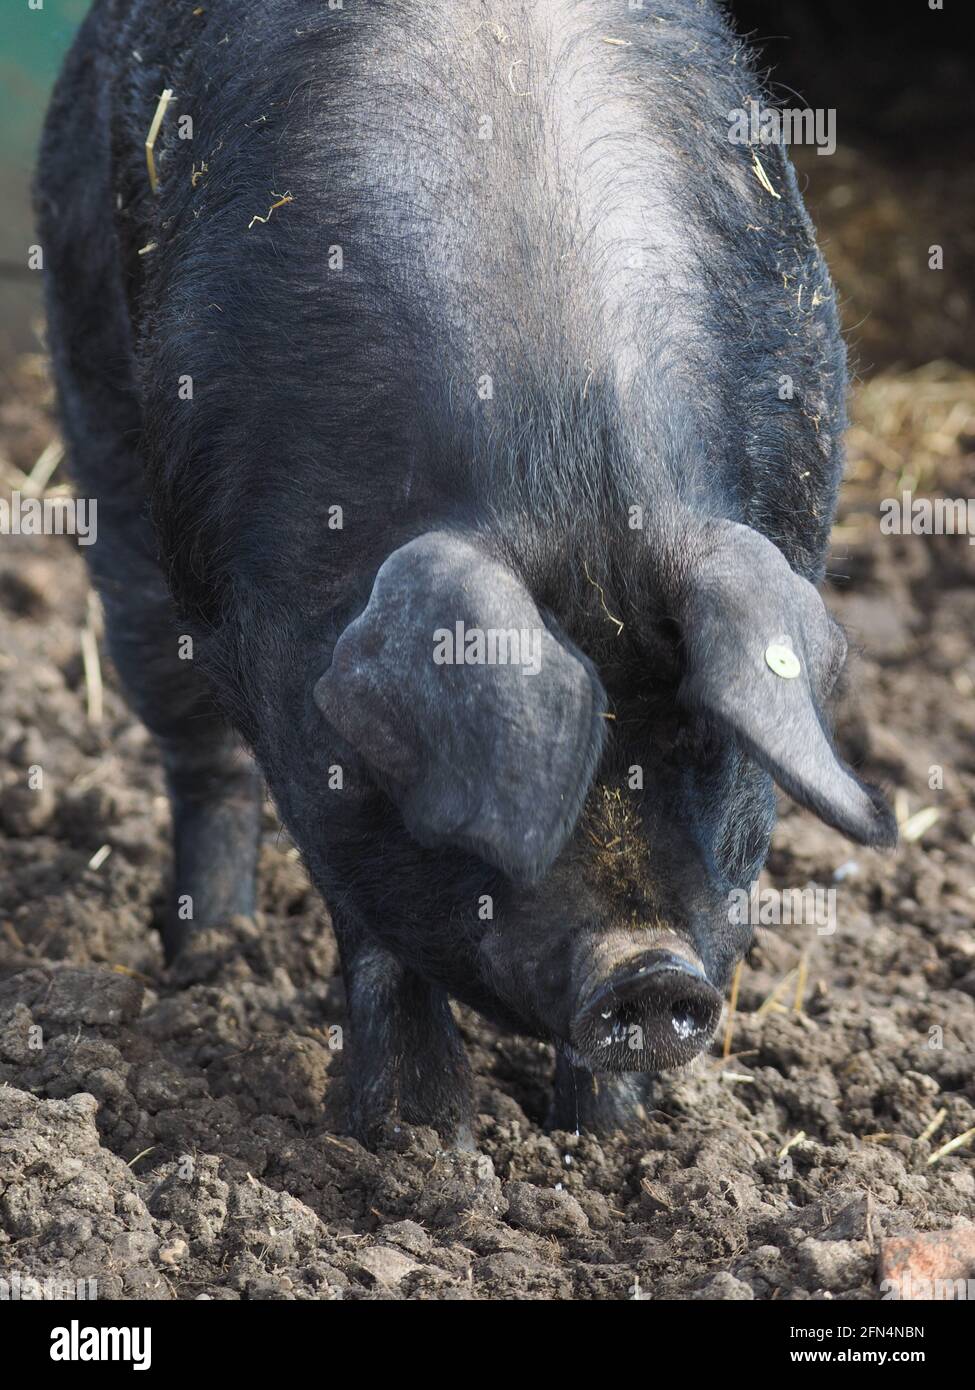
point(762, 655)
point(489, 747)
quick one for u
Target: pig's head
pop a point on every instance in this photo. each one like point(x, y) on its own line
point(608, 839)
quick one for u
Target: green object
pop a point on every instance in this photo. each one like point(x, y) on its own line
point(33, 42)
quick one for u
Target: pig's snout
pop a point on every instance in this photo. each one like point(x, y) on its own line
point(651, 1010)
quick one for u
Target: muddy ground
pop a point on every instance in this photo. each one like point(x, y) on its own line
point(181, 1135)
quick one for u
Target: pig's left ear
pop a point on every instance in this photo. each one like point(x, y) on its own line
point(491, 749)
point(762, 653)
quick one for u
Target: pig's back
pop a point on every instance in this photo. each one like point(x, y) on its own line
point(416, 254)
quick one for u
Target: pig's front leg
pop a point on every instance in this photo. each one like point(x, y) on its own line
point(598, 1102)
point(406, 1057)
point(215, 790)
point(216, 794)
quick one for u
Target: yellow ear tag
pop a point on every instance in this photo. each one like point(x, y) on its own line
point(782, 660)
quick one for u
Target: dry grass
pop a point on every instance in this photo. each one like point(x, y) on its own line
point(157, 120)
point(906, 426)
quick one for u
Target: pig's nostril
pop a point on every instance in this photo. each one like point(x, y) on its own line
point(655, 1012)
point(689, 1018)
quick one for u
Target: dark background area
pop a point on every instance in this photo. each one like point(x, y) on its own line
point(899, 77)
point(899, 74)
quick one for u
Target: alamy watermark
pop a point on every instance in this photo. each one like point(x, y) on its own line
point(908, 515)
point(770, 125)
point(50, 516)
point(27, 1288)
point(77, 1343)
point(909, 1287)
point(491, 646)
point(811, 906)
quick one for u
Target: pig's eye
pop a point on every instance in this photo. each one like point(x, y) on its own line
point(668, 736)
point(708, 741)
point(684, 738)
point(694, 739)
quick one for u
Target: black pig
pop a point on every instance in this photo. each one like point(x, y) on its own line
point(459, 314)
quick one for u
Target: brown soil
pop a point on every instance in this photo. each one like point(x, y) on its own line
point(180, 1136)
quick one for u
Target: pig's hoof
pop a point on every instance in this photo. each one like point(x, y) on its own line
point(173, 931)
point(204, 951)
point(401, 1136)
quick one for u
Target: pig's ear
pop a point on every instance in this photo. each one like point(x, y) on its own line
point(761, 655)
point(492, 755)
